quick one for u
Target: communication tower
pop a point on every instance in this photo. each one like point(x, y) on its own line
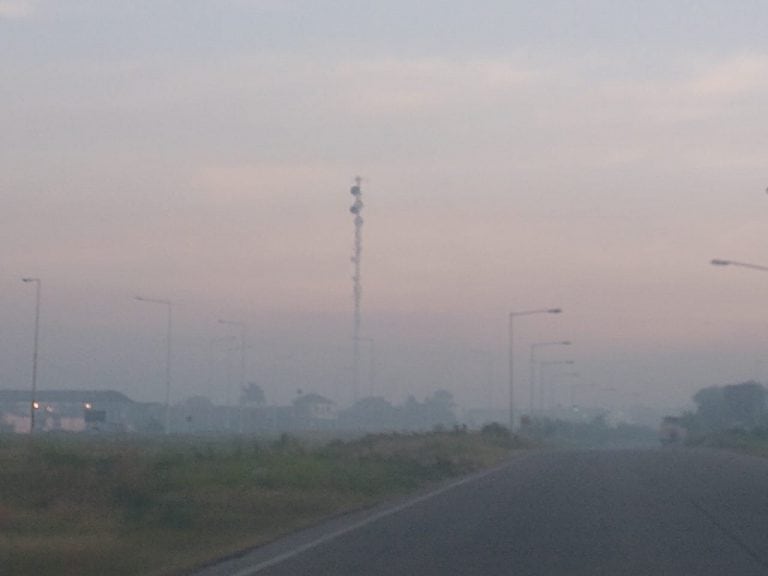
point(356, 210)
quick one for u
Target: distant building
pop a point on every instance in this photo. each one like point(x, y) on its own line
point(75, 411)
point(314, 407)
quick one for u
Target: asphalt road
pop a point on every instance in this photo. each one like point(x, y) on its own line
point(657, 512)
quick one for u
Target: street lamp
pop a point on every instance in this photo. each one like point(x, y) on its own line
point(571, 387)
point(719, 262)
point(512, 316)
point(33, 400)
point(550, 381)
point(169, 305)
point(532, 383)
point(243, 335)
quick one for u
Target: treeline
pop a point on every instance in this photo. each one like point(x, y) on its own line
point(597, 432)
point(733, 407)
point(312, 411)
point(731, 416)
point(377, 414)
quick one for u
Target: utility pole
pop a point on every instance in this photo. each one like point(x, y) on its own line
point(33, 400)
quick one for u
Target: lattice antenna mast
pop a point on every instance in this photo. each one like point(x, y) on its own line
point(356, 210)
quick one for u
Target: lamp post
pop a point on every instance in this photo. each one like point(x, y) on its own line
point(572, 387)
point(512, 316)
point(532, 383)
point(543, 381)
point(33, 400)
point(168, 344)
point(719, 262)
point(243, 335)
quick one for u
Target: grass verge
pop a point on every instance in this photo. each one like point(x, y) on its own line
point(89, 506)
point(754, 443)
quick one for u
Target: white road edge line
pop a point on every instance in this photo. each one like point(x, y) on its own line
point(356, 526)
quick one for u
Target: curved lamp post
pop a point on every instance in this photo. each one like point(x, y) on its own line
point(532, 382)
point(512, 316)
point(550, 378)
point(719, 262)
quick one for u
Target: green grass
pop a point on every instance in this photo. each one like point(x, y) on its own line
point(754, 443)
point(88, 506)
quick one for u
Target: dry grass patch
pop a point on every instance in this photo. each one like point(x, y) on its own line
point(89, 506)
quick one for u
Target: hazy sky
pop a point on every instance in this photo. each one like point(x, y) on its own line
point(593, 155)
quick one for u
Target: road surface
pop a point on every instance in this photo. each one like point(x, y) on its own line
point(670, 512)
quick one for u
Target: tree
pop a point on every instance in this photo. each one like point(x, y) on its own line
point(439, 408)
point(441, 399)
point(746, 403)
point(371, 413)
point(253, 394)
point(736, 405)
point(710, 407)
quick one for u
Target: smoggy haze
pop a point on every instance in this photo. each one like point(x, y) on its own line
point(516, 156)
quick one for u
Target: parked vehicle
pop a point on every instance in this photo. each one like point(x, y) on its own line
point(672, 431)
